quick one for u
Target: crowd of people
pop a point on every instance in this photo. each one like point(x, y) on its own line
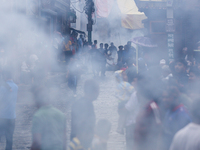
point(158, 105)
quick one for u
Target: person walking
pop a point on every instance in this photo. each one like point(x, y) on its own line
point(48, 123)
point(8, 99)
point(102, 60)
point(83, 116)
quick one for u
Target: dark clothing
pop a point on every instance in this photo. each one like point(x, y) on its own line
point(112, 48)
point(7, 127)
point(182, 80)
point(68, 55)
point(129, 53)
point(131, 73)
point(174, 120)
point(147, 128)
point(72, 82)
point(83, 121)
point(102, 55)
point(120, 55)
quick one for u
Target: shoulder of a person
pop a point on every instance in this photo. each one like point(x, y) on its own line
point(57, 111)
point(182, 132)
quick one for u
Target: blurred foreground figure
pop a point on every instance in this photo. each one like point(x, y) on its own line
point(73, 74)
point(83, 117)
point(8, 99)
point(102, 131)
point(188, 138)
point(148, 122)
point(123, 92)
point(176, 116)
point(48, 124)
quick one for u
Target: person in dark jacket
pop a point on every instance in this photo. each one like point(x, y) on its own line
point(83, 116)
point(176, 117)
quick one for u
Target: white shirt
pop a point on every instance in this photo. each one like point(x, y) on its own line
point(187, 138)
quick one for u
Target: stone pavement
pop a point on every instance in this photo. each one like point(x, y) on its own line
point(61, 97)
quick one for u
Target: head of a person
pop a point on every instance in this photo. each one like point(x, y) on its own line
point(147, 89)
point(126, 48)
point(120, 47)
point(81, 36)
point(76, 35)
point(162, 62)
point(41, 95)
point(103, 128)
point(124, 76)
point(165, 70)
point(101, 45)
point(184, 50)
point(194, 74)
point(111, 44)
point(170, 97)
point(106, 46)
point(180, 66)
point(129, 43)
point(95, 42)
point(7, 75)
point(91, 90)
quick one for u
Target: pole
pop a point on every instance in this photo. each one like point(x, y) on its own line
point(89, 10)
point(89, 28)
point(170, 29)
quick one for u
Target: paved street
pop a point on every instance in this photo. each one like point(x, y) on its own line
point(61, 97)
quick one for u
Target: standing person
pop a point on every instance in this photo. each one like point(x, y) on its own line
point(188, 138)
point(176, 117)
point(147, 126)
point(101, 48)
point(74, 41)
point(83, 116)
point(95, 44)
point(132, 107)
point(113, 57)
point(129, 52)
point(102, 60)
point(102, 131)
point(94, 52)
point(8, 99)
point(180, 73)
point(131, 71)
point(48, 124)
point(112, 47)
point(106, 48)
point(80, 43)
point(120, 53)
point(123, 93)
point(73, 74)
point(67, 48)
